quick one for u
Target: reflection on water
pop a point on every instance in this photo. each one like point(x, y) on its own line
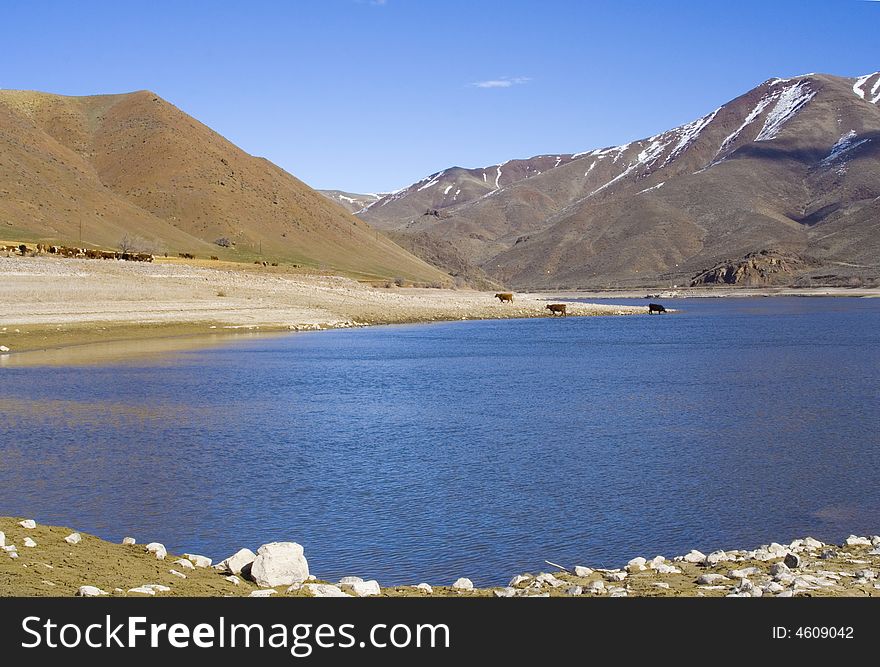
point(116, 351)
point(474, 449)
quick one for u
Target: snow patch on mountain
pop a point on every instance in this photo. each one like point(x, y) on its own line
point(859, 88)
point(844, 145)
point(790, 101)
point(653, 151)
point(653, 187)
point(688, 133)
point(753, 115)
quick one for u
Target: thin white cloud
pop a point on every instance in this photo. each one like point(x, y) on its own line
point(503, 82)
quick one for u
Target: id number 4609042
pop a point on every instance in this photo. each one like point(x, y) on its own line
point(814, 632)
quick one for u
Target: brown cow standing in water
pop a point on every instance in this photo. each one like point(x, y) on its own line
point(556, 308)
point(504, 296)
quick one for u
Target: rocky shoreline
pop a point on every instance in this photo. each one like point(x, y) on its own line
point(38, 560)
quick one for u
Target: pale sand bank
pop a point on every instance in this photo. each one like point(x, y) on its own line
point(55, 304)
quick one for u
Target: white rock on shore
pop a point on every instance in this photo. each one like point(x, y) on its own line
point(198, 561)
point(717, 557)
point(549, 579)
point(463, 584)
point(237, 561)
point(855, 541)
point(28, 542)
point(596, 587)
point(157, 549)
point(694, 556)
point(262, 593)
point(665, 568)
point(90, 592)
point(2, 539)
point(279, 564)
point(426, 587)
point(581, 571)
point(636, 565)
point(325, 591)
point(29, 524)
point(365, 588)
point(73, 538)
point(185, 564)
point(744, 573)
point(128, 541)
point(778, 568)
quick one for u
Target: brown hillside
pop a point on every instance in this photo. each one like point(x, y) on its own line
point(136, 164)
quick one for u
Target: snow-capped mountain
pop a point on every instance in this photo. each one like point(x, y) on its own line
point(352, 201)
point(791, 166)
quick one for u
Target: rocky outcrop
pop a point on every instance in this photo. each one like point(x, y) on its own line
point(757, 269)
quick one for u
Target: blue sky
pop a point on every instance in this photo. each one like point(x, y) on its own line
point(370, 95)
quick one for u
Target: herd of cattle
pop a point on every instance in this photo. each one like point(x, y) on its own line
point(82, 253)
point(554, 308)
point(560, 308)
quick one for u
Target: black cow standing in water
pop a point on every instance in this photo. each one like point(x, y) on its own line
point(655, 308)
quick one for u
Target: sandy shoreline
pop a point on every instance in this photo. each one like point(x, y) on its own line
point(40, 560)
point(61, 304)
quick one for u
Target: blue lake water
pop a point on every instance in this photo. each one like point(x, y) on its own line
point(479, 449)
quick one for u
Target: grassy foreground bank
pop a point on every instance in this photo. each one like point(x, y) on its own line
point(54, 566)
